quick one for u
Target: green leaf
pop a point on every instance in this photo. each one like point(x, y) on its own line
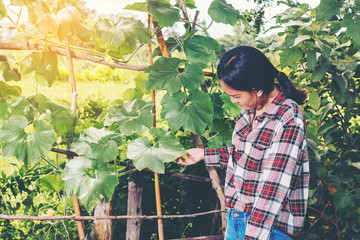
point(131, 94)
point(222, 12)
point(314, 100)
point(8, 72)
point(7, 91)
point(71, 22)
point(324, 110)
point(121, 32)
point(320, 71)
point(325, 127)
point(165, 74)
point(200, 49)
point(167, 148)
point(89, 184)
point(165, 15)
point(311, 58)
point(352, 26)
point(3, 11)
point(290, 56)
point(61, 118)
point(138, 6)
point(232, 108)
point(133, 117)
point(97, 144)
point(300, 39)
point(328, 8)
point(193, 115)
point(52, 183)
point(26, 142)
point(343, 199)
point(45, 66)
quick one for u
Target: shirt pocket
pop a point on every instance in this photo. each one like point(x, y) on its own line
point(260, 139)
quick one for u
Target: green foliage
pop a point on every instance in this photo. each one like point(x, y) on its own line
point(133, 117)
point(27, 142)
point(165, 74)
point(316, 51)
point(45, 66)
point(166, 148)
point(89, 184)
point(222, 12)
point(193, 113)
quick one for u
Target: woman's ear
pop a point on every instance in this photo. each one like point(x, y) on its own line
point(259, 93)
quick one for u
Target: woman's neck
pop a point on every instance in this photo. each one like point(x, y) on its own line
point(269, 98)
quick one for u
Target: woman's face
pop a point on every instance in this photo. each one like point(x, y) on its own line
point(247, 100)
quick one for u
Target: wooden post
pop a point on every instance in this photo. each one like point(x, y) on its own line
point(134, 205)
point(79, 224)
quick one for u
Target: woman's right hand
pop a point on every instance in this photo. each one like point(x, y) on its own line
point(194, 155)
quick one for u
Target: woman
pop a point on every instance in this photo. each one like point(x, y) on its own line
point(267, 175)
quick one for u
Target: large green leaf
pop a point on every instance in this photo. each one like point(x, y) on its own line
point(193, 113)
point(8, 73)
point(138, 6)
point(232, 108)
point(133, 117)
point(118, 30)
point(165, 74)
point(314, 100)
point(71, 22)
point(89, 184)
point(290, 56)
point(7, 91)
point(165, 15)
point(166, 149)
point(352, 26)
point(222, 12)
point(61, 118)
point(45, 66)
point(26, 141)
point(52, 183)
point(328, 8)
point(97, 144)
point(343, 199)
point(58, 18)
point(319, 72)
point(201, 49)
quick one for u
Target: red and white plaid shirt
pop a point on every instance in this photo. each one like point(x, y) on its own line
point(267, 168)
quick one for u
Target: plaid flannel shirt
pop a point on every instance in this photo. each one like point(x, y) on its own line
point(267, 168)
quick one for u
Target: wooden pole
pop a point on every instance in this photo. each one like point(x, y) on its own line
point(79, 224)
point(156, 175)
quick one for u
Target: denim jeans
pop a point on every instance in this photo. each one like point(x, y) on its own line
point(236, 226)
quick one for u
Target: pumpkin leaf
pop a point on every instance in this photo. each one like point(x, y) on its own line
point(89, 184)
point(166, 149)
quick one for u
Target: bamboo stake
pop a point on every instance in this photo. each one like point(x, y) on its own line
point(79, 224)
point(156, 175)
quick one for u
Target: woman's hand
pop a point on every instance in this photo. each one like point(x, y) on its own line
point(194, 155)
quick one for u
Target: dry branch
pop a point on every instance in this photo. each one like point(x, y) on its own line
point(83, 218)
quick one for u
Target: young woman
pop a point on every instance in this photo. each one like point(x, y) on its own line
point(267, 175)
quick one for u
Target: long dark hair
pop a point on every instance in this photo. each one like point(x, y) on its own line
point(247, 69)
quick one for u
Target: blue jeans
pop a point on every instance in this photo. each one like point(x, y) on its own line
point(236, 226)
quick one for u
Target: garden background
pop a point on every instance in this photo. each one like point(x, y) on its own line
point(77, 100)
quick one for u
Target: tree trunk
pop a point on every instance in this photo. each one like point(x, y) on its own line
point(102, 229)
point(134, 205)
